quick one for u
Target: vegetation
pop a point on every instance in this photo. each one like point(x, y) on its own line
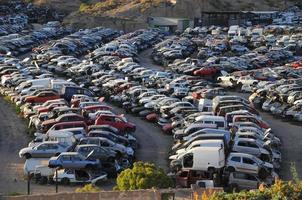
point(143, 176)
point(88, 188)
point(110, 5)
point(281, 190)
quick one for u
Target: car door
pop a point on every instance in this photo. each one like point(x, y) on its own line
point(66, 161)
point(253, 149)
point(52, 149)
point(40, 151)
point(249, 165)
point(77, 162)
point(251, 182)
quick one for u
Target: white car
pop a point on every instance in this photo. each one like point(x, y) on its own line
point(66, 176)
point(242, 162)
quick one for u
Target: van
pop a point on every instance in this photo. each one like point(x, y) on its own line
point(206, 119)
point(68, 91)
point(209, 131)
point(31, 164)
point(198, 143)
point(209, 136)
point(209, 159)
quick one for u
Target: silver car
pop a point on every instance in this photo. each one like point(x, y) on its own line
point(44, 150)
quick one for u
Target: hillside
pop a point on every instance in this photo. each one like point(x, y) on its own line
point(89, 13)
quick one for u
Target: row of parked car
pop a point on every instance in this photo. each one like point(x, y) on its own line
point(18, 43)
point(76, 132)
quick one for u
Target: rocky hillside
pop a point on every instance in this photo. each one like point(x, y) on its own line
point(93, 12)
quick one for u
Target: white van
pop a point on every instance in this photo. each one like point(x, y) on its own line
point(208, 119)
point(209, 159)
point(31, 164)
point(199, 143)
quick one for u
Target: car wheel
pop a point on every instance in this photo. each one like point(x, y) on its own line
point(65, 181)
point(234, 188)
point(43, 180)
point(57, 154)
point(27, 156)
point(231, 169)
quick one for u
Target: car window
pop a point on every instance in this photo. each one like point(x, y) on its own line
point(42, 147)
point(105, 144)
point(65, 158)
point(188, 160)
point(241, 143)
point(252, 144)
point(239, 175)
point(76, 158)
point(236, 159)
point(53, 146)
point(248, 161)
point(118, 119)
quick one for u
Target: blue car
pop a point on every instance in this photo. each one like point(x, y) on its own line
point(72, 160)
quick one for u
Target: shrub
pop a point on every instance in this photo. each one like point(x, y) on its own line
point(88, 188)
point(143, 176)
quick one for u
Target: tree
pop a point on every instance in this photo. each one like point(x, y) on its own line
point(143, 176)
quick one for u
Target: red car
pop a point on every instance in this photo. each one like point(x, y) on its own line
point(50, 107)
point(65, 125)
point(42, 97)
point(116, 121)
point(206, 71)
point(70, 117)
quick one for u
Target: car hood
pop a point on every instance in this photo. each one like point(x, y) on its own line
point(268, 165)
point(26, 149)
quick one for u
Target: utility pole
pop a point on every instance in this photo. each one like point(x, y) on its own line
point(56, 180)
point(28, 183)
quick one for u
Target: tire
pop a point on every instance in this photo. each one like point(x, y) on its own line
point(65, 181)
point(262, 173)
point(234, 188)
point(43, 180)
point(57, 154)
point(211, 171)
point(231, 169)
point(27, 156)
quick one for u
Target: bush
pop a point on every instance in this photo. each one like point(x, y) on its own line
point(143, 176)
point(281, 190)
point(88, 188)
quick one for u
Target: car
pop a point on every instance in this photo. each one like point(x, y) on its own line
point(45, 149)
point(242, 162)
point(67, 176)
point(42, 97)
point(72, 160)
point(116, 121)
point(109, 145)
point(97, 152)
point(71, 117)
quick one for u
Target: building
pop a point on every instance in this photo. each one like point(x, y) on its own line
point(170, 24)
point(228, 18)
